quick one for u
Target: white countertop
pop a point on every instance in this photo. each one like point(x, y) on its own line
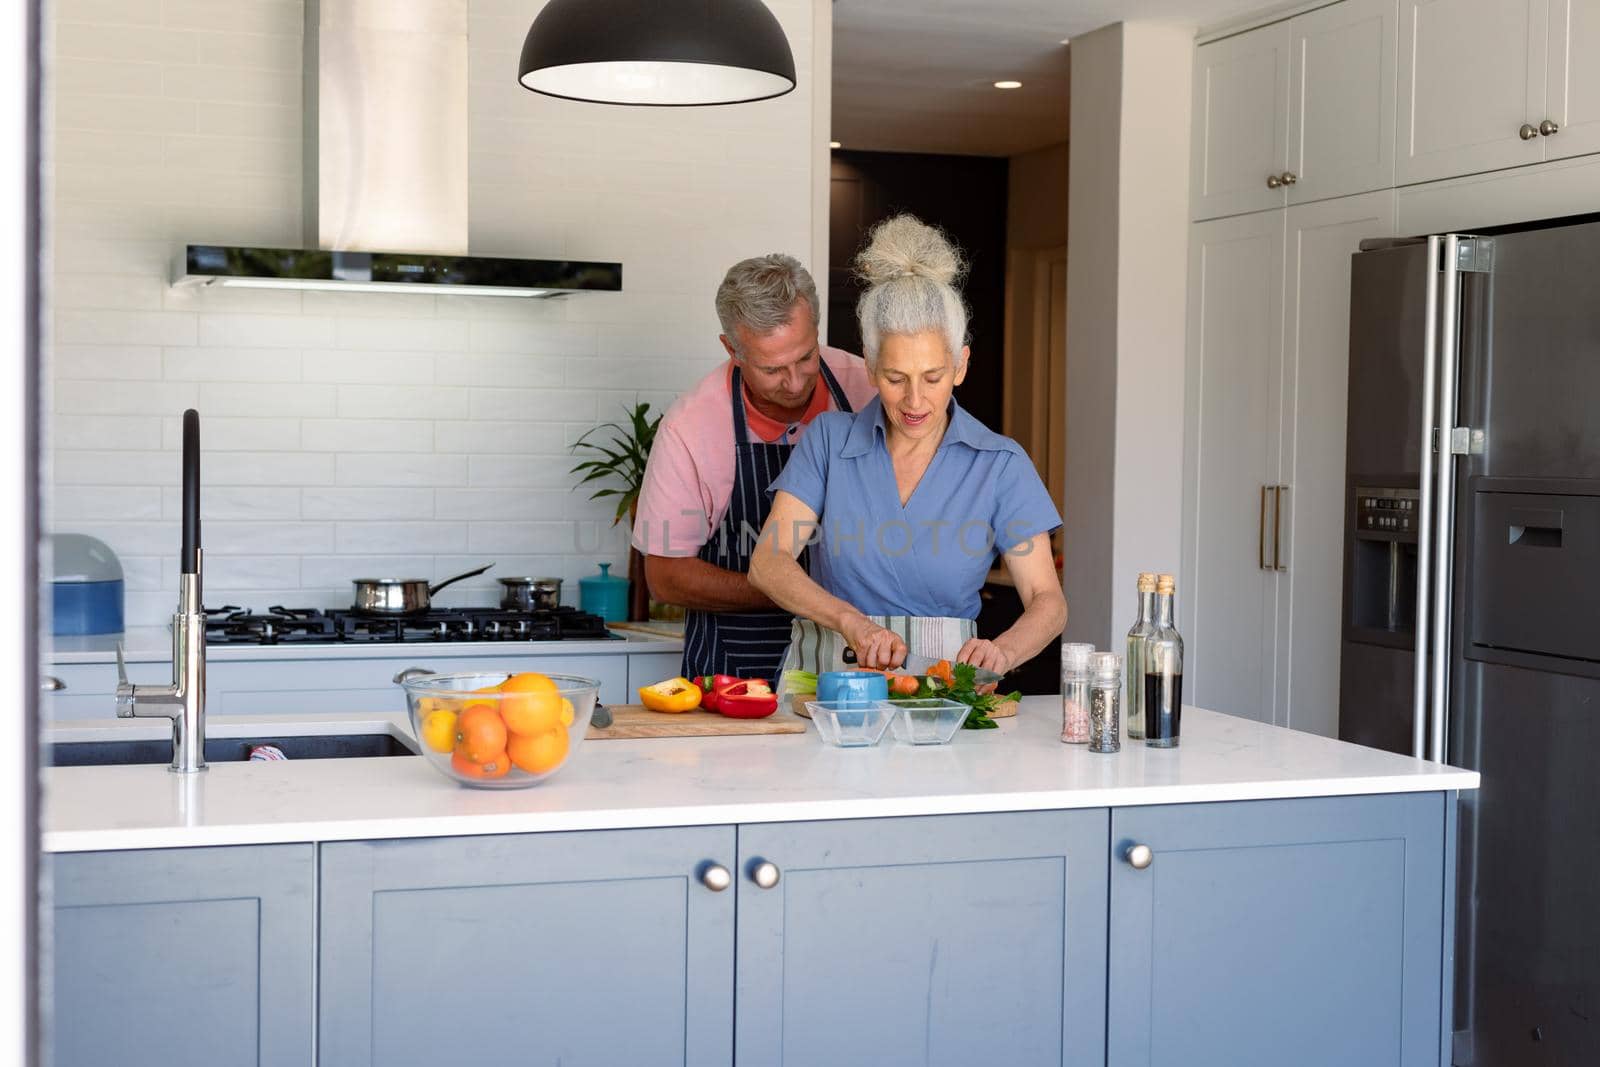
point(616, 784)
point(143, 644)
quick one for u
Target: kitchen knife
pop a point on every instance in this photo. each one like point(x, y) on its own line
point(915, 664)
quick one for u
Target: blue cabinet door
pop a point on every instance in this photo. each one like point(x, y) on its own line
point(177, 957)
point(1265, 933)
point(598, 948)
point(946, 941)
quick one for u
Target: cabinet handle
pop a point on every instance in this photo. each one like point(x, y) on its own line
point(50, 684)
point(1548, 128)
point(412, 672)
point(1261, 532)
point(1527, 132)
point(1139, 857)
point(715, 877)
point(1274, 180)
point(764, 873)
point(1289, 177)
point(1277, 523)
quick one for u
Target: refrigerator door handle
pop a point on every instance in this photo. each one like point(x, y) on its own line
point(1444, 489)
point(1261, 532)
point(1277, 523)
point(1430, 375)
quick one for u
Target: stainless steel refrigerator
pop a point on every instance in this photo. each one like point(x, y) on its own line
point(1472, 599)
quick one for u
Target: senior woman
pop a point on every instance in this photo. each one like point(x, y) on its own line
point(908, 501)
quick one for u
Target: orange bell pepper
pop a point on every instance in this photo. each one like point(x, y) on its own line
point(943, 671)
point(673, 695)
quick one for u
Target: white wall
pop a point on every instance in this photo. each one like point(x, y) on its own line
point(354, 434)
point(1127, 263)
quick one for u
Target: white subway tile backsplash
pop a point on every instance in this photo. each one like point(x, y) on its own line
point(543, 405)
point(232, 398)
point(401, 402)
point(398, 538)
point(225, 434)
point(412, 435)
point(366, 435)
point(267, 538)
point(377, 368)
point(211, 364)
point(405, 469)
point(221, 502)
point(349, 503)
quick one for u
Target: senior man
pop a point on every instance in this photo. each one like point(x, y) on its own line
point(720, 446)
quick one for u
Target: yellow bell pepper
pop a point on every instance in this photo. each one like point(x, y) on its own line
point(673, 695)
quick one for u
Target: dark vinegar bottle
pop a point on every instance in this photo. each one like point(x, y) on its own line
point(1163, 673)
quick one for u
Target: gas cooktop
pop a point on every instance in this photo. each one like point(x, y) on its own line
point(231, 625)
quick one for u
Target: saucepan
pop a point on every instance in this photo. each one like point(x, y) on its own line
point(530, 594)
point(402, 596)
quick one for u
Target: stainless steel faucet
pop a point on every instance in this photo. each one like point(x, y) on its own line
point(184, 701)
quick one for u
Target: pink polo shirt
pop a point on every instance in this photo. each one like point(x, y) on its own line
point(691, 462)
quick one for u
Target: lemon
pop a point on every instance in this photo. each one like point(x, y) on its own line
point(439, 730)
point(568, 712)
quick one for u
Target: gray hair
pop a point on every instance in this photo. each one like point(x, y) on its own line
point(760, 294)
point(910, 269)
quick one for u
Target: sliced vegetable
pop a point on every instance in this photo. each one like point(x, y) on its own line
point(942, 671)
point(673, 695)
point(800, 682)
point(904, 685)
point(709, 685)
point(752, 699)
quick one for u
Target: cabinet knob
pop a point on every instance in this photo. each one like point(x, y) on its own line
point(1139, 857)
point(410, 673)
point(1274, 181)
point(1289, 177)
point(1548, 128)
point(51, 685)
point(764, 873)
point(715, 877)
point(1527, 133)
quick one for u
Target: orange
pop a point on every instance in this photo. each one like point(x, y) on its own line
point(538, 753)
point(480, 733)
point(496, 766)
point(439, 730)
point(530, 703)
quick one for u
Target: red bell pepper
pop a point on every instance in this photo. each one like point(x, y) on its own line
point(751, 699)
point(712, 684)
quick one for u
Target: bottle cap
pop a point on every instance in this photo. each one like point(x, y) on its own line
point(1166, 584)
point(1075, 658)
point(1105, 664)
point(1147, 582)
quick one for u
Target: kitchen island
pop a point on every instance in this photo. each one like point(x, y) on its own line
point(1254, 896)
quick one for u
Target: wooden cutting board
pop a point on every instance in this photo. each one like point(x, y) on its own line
point(635, 720)
point(1004, 711)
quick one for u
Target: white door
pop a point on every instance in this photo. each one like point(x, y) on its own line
point(1572, 94)
point(1233, 382)
point(1321, 238)
point(1472, 73)
point(1342, 100)
point(1241, 98)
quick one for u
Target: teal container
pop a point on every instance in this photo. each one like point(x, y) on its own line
point(605, 595)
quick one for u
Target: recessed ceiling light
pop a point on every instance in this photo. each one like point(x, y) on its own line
point(1008, 85)
point(835, 144)
point(1066, 40)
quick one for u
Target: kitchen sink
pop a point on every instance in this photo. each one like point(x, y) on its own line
point(224, 749)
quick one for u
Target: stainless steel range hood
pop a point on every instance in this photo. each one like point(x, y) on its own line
point(385, 161)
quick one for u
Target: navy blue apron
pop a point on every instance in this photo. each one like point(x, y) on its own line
point(745, 644)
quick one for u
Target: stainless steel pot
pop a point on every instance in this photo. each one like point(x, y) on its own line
point(402, 596)
point(530, 594)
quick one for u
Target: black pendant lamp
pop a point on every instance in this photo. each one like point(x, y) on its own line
point(663, 53)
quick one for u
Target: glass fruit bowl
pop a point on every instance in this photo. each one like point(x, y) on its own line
point(851, 723)
point(499, 731)
point(933, 721)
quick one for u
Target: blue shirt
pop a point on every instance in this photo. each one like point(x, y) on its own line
point(980, 496)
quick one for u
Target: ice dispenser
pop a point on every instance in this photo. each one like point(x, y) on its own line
point(1383, 567)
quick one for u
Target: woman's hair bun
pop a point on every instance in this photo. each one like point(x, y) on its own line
point(905, 245)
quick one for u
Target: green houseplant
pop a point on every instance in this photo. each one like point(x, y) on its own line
point(621, 461)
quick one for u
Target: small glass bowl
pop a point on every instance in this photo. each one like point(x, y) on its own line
point(932, 721)
point(454, 693)
point(851, 723)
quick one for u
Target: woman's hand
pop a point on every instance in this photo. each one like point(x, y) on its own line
point(875, 646)
point(986, 655)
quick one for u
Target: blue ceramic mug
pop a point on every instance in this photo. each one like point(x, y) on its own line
point(852, 685)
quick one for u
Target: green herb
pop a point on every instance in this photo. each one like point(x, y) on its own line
point(965, 691)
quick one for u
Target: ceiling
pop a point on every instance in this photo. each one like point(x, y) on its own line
point(918, 75)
